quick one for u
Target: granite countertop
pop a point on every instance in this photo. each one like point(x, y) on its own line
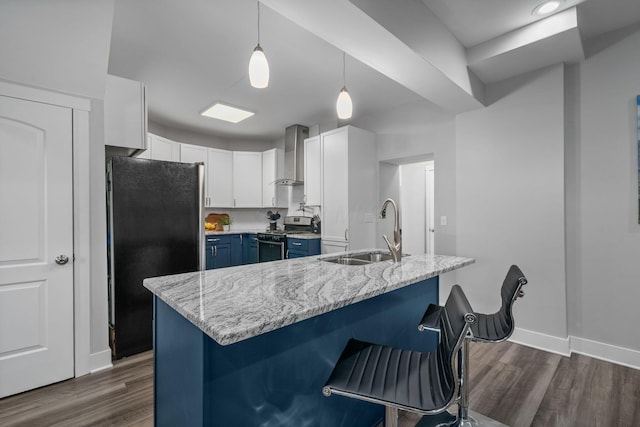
point(253, 231)
point(250, 231)
point(236, 303)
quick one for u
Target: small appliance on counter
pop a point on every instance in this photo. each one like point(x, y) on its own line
point(272, 244)
point(315, 224)
point(273, 220)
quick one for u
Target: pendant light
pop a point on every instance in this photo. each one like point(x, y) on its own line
point(258, 65)
point(344, 106)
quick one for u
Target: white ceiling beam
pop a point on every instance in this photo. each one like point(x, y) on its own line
point(390, 40)
point(543, 43)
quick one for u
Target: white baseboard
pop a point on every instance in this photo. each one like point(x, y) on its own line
point(566, 346)
point(100, 361)
point(610, 353)
point(541, 341)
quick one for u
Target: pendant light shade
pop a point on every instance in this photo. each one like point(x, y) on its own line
point(258, 65)
point(344, 106)
point(258, 69)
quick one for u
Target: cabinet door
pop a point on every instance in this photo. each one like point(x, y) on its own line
point(221, 255)
point(125, 113)
point(196, 154)
point(247, 179)
point(312, 171)
point(330, 247)
point(250, 246)
point(220, 178)
point(236, 249)
point(335, 200)
point(273, 195)
point(209, 254)
point(164, 149)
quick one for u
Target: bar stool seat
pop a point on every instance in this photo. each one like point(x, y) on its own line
point(422, 382)
point(409, 379)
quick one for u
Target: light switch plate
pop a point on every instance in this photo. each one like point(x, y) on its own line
point(443, 220)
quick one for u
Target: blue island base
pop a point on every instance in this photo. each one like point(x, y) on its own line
point(275, 379)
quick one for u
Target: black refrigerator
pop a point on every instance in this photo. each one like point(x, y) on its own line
point(155, 228)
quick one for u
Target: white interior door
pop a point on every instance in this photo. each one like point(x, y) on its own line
point(36, 226)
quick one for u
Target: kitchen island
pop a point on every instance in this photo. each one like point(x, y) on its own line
point(252, 345)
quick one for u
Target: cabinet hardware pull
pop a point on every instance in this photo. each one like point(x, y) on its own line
point(287, 256)
point(241, 239)
point(215, 251)
point(346, 234)
point(234, 202)
point(296, 244)
point(212, 252)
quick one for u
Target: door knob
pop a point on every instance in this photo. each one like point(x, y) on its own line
point(62, 259)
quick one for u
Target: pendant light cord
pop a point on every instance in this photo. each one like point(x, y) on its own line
point(344, 68)
point(258, 22)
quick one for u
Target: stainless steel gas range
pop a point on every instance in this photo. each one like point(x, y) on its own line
point(272, 244)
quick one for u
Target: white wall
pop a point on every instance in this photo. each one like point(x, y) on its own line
point(388, 187)
point(606, 287)
point(437, 141)
point(63, 46)
point(510, 197)
point(60, 45)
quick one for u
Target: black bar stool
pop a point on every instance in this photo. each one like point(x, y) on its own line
point(493, 328)
point(422, 382)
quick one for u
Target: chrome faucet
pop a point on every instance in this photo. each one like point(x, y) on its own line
point(396, 247)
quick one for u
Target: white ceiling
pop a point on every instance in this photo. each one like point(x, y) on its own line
point(192, 53)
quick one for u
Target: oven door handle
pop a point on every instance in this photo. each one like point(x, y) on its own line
point(271, 243)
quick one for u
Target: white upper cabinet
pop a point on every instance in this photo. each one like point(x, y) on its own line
point(349, 188)
point(197, 154)
point(312, 171)
point(335, 202)
point(159, 148)
point(273, 195)
point(125, 113)
point(220, 178)
point(247, 179)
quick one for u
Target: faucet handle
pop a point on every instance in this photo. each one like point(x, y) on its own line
point(392, 248)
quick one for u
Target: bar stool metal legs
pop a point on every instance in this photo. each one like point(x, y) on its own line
point(390, 417)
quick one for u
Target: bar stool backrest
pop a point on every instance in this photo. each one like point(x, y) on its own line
point(455, 320)
point(499, 326)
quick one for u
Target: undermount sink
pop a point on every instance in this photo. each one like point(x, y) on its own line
point(360, 259)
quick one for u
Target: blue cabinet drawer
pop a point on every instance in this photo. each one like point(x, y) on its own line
point(297, 244)
point(302, 247)
point(219, 240)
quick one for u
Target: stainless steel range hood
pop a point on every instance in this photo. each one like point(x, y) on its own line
point(294, 137)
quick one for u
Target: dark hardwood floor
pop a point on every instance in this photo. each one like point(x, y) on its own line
point(516, 385)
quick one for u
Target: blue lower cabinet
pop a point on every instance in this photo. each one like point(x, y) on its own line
point(236, 249)
point(297, 248)
point(250, 249)
point(218, 251)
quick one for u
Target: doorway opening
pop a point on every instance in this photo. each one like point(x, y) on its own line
point(411, 183)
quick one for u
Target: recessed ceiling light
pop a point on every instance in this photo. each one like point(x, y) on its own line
point(227, 113)
point(546, 7)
